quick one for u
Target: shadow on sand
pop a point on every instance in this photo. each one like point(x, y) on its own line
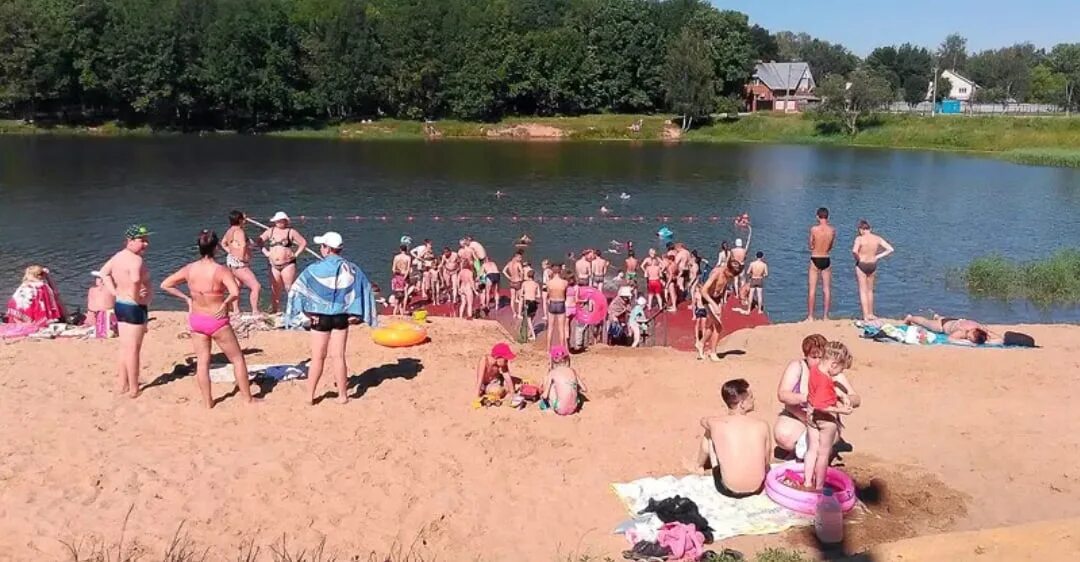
point(187, 368)
point(407, 368)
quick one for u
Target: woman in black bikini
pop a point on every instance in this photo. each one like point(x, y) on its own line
point(868, 249)
point(278, 242)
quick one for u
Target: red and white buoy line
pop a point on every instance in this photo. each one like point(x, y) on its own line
point(538, 219)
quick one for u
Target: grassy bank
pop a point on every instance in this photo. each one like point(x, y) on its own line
point(1053, 280)
point(1052, 141)
point(585, 127)
point(1029, 140)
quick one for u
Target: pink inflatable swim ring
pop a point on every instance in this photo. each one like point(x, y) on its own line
point(806, 502)
point(591, 306)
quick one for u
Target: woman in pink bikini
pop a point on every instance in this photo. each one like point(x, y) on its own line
point(208, 314)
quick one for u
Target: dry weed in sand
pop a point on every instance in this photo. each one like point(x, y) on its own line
point(182, 549)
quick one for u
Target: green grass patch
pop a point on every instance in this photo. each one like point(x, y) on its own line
point(1032, 140)
point(1054, 280)
point(1064, 157)
point(106, 129)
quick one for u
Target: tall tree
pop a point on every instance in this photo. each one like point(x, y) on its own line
point(764, 44)
point(688, 77)
point(338, 58)
point(952, 53)
point(1007, 71)
point(1064, 59)
point(851, 100)
point(250, 63)
point(35, 65)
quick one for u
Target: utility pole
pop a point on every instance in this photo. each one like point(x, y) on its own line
point(933, 93)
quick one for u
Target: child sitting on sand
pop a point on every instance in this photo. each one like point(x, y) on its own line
point(825, 404)
point(99, 309)
point(564, 391)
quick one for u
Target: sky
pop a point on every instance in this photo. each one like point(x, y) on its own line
point(862, 25)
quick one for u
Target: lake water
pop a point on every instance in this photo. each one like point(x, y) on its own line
point(66, 202)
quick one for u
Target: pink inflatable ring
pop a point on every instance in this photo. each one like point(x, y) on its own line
point(806, 502)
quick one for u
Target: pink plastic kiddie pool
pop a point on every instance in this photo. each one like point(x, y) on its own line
point(806, 502)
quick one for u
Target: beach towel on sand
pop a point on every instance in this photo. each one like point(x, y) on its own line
point(331, 286)
point(756, 515)
point(917, 335)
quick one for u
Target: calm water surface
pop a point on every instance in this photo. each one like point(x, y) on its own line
point(66, 202)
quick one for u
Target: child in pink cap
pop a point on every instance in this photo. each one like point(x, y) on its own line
point(563, 389)
point(493, 372)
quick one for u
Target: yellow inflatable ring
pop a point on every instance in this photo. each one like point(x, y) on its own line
point(399, 334)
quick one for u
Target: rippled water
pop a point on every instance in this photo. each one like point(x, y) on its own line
point(66, 202)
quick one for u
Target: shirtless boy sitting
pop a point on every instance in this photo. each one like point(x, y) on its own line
point(563, 389)
point(736, 446)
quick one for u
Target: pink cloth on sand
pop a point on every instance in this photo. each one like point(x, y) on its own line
point(685, 541)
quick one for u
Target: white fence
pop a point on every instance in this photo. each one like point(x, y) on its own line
point(985, 108)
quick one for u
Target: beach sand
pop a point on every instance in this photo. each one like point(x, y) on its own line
point(951, 438)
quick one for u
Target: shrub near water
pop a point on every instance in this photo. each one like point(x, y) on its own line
point(1052, 280)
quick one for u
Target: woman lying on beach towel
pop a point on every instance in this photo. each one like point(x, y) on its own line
point(957, 330)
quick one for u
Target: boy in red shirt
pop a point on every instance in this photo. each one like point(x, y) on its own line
point(825, 405)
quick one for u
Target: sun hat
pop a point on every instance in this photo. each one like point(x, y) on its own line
point(558, 352)
point(641, 301)
point(626, 292)
point(330, 240)
point(502, 351)
point(279, 216)
point(136, 231)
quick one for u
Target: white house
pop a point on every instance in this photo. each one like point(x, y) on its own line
point(962, 88)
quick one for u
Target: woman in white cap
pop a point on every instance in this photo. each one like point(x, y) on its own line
point(281, 244)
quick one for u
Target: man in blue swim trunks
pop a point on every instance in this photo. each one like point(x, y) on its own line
point(125, 276)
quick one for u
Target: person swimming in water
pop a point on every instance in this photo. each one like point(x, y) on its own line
point(213, 289)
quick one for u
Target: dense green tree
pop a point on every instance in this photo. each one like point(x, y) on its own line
point(943, 88)
point(727, 36)
point(823, 57)
point(850, 100)
point(1064, 60)
point(952, 53)
point(336, 47)
point(902, 66)
point(764, 44)
point(688, 77)
point(35, 64)
point(250, 62)
point(1006, 71)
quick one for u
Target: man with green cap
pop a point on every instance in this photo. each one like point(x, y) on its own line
point(126, 277)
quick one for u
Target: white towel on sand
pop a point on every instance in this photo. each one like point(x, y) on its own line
point(756, 515)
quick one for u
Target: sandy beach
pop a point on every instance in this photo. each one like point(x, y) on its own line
point(955, 439)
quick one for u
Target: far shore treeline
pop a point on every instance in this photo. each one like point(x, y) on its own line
point(265, 64)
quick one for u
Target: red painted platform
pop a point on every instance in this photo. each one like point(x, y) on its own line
point(670, 329)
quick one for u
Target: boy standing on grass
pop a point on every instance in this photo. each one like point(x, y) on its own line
point(825, 405)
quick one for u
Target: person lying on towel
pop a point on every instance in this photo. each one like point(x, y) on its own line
point(958, 330)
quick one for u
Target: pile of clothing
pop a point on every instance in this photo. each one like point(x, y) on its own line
point(670, 529)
